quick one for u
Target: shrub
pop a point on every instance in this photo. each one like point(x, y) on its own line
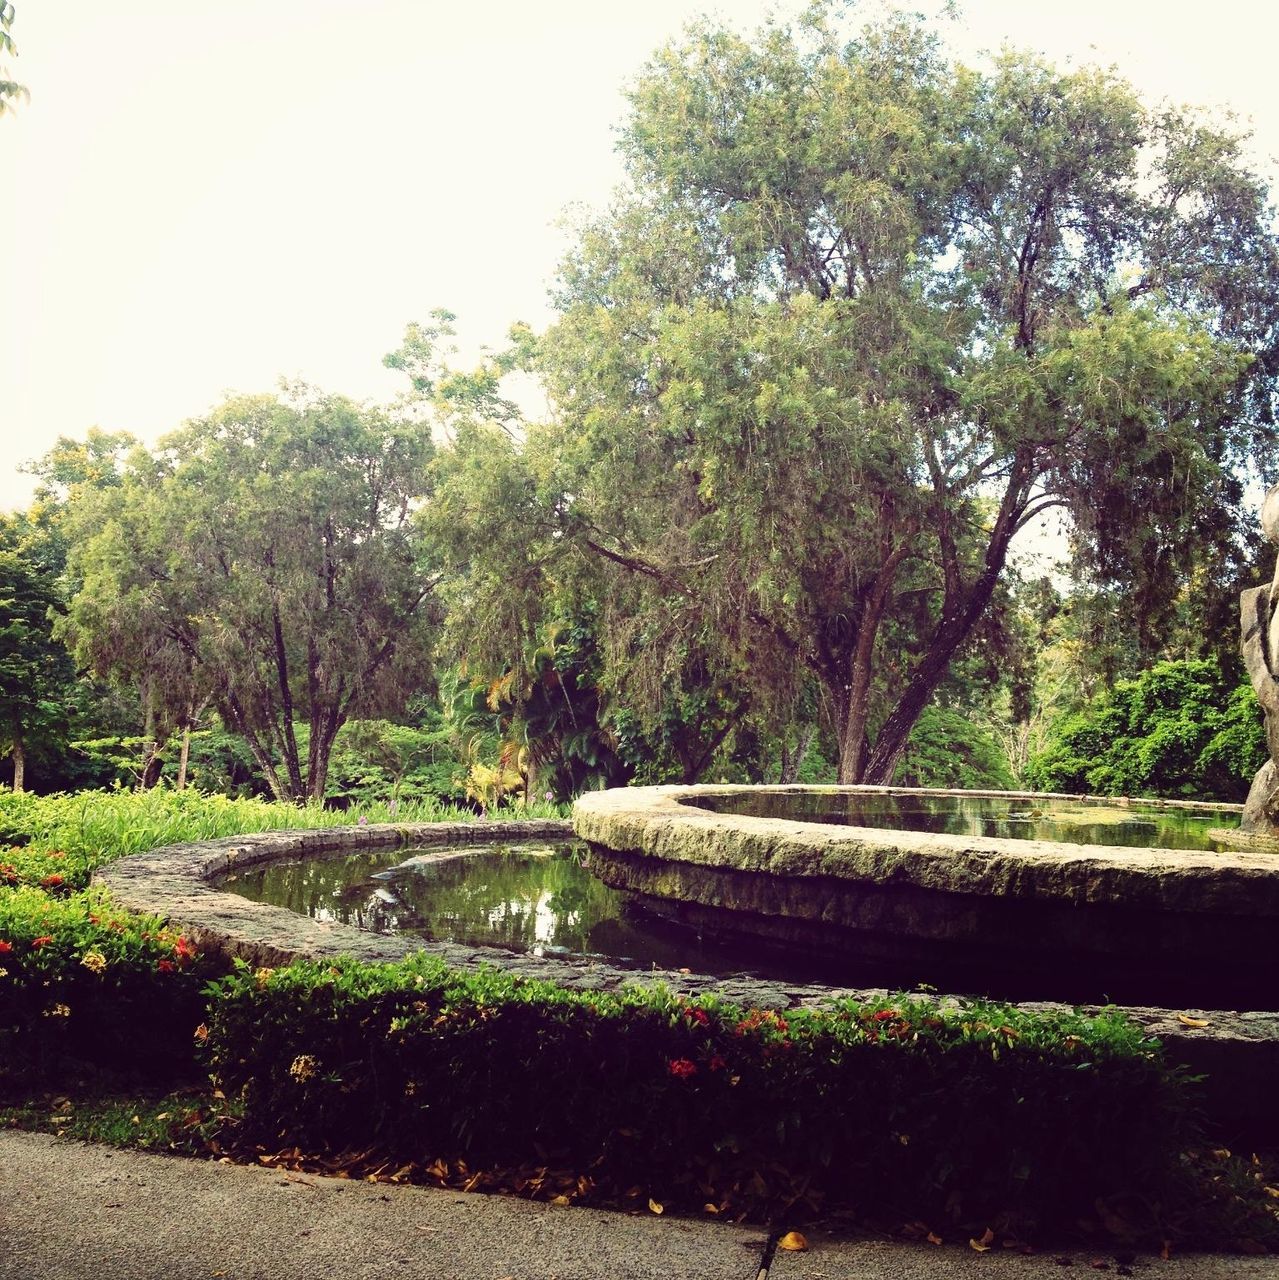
point(908, 1107)
point(1178, 729)
point(79, 978)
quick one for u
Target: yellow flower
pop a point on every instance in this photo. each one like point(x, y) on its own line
point(303, 1067)
point(262, 977)
point(94, 961)
point(58, 1011)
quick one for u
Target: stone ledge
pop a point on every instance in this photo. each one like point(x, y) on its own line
point(1238, 1051)
point(655, 822)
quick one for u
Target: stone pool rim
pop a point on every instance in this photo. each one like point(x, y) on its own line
point(658, 823)
point(1239, 1052)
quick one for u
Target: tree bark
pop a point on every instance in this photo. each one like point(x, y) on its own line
point(19, 753)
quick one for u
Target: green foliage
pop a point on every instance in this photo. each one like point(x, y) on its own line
point(83, 980)
point(1179, 729)
point(379, 760)
point(35, 670)
point(860, 315)
point(10, 90)
point(945, 1113)
point(948, 749)
point(70, 835)
point(264, 559)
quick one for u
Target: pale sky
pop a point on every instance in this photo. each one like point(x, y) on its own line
point(204, 197)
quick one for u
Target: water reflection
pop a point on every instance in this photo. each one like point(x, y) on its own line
point(533, 899)
point(1074, 822)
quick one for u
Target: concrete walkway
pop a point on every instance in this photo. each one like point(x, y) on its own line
point(71, 1211)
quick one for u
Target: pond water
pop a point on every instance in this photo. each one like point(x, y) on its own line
point(1075, 822)
point(543, 900)
point(537, 899)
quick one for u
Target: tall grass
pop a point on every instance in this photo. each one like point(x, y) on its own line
point(71, 835)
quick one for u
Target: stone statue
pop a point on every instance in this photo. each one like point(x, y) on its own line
point(1259, 609)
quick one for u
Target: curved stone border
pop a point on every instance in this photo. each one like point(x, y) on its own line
point(1239, 1052)
point(659, 822)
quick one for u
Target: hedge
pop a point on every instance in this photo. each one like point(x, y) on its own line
point(970, 1112)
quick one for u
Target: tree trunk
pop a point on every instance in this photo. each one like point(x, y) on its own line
point(183, 757)
point(793, 761)
point(19, 753)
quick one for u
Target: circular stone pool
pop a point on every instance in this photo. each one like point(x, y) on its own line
point(1024, 896)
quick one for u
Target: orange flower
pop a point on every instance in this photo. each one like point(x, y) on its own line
point(51, 881)
point(41, 940)
point(682, 1068)
point(165, 966)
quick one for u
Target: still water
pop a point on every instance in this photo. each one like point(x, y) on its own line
point(537, 899)
point(1075, 822)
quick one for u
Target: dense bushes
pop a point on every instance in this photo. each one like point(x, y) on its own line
point(1178, 729)
point(81, 979)
point(960, 1113)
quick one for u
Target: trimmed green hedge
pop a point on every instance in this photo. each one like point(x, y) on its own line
point(971, 1113)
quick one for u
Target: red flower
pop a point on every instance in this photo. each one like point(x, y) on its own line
point(165, 966)
point(51, 881)
point(5, 946)
point(682, 1068)
point(184, 951)
point(884, 1015)
point(41, 940)
point(718, 1062)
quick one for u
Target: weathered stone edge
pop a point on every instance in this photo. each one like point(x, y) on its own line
point(1239, 1051)
point(654, 821)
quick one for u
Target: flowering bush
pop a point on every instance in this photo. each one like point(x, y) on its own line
point(79, 977)
point(911, 1108)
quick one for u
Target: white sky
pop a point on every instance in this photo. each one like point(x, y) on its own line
point(202, 197)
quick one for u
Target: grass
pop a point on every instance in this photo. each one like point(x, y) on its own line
point(70, 836)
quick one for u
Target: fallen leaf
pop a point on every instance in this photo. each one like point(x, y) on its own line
point(654, 1206)
point(793, 1241)
point(988, 1237)
point(1166, 1252)
point(977, 1244)
point(1187, 1021)
point(710, 1208)
point(933, 1238)
point(560, 1200)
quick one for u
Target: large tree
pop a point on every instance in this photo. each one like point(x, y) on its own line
point(859, 317)
point(263, 557)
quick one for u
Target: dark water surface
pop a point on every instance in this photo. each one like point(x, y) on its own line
point(1074, 822)
point(539, 899)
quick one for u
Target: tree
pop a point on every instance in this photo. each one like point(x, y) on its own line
point(35, 672)
point(859, 318)
point(10, 90)
point(1178, 729)
point(265, 558)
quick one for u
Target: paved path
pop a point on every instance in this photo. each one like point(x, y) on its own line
point(70, 1211)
